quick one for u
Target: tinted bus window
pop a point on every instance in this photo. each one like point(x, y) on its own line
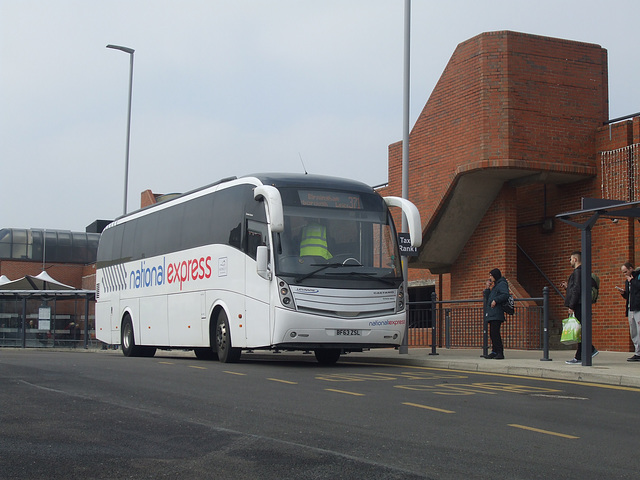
point(228, 210)
point(118, 232)
point(106, 245)
point(128, 238)
point(198, 222)
point(257, 235)
point(146, 234)
point(169, 229)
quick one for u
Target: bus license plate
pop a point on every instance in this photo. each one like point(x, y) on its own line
point(347, 332)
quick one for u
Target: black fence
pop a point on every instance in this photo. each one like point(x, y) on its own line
point(460, 324)
point(30, 322)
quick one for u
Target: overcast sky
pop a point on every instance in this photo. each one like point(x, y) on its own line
point(236, 87)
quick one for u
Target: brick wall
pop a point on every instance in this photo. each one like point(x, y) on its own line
point(515, 102)
point(495, 237)
point(147, 198)
point(614, 243)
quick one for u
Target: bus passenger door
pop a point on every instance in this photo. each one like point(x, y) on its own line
point(256, 322)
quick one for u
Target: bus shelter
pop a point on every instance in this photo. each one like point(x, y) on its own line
point(38, 311)
point(585, 219)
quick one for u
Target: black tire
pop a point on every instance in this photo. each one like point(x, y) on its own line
point(204, 353)
point(147, 351)
point(226, 352)
point(327, 356)
point(129, 347)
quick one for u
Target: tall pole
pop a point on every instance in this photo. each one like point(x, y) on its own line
point(586, 297)
point(404, 348)
point(44, 248)
point(130, 51)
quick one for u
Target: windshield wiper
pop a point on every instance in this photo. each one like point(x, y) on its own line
point(323, 267)
point(369, 275)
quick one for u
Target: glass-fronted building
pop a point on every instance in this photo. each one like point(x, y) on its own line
point(54, 246)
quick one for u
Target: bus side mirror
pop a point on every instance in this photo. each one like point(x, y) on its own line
point(412, 215)
point(262, 262)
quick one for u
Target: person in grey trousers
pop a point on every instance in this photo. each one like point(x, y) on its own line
point(631, 293)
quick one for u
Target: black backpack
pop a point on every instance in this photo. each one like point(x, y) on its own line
point(509, 306)
point(595, 287)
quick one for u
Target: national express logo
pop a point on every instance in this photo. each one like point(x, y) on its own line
point(180, 272)
point(379, 323)
point(116, 278)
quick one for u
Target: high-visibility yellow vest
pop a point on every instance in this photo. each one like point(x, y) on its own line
point(314, 242)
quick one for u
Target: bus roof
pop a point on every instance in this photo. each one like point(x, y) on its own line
point(274, 179)
point(304, 180)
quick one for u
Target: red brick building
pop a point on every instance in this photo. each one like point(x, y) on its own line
point(515, 132)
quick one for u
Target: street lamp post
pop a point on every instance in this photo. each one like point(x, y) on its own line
point(126, 162)
point(404, 348)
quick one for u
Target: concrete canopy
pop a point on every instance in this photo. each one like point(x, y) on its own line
point(464, 207)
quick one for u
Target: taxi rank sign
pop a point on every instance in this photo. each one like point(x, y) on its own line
point(404, 245)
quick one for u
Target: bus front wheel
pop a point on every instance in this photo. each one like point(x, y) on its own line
point(226, 353)
point(327, 356)
point(128, 340)
point(129, 347)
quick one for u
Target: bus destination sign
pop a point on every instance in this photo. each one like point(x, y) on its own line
point(313, 198)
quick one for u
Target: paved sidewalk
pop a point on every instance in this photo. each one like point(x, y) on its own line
point(609, 368)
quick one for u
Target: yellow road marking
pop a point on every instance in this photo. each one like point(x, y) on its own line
point(345, 392)
point(546, 432)
point(199, 368)
point(504, 375)
point(282, 381)
point(166, 363)
point(233, 373)
point(362, 377)
point(428, 408)
point(489, 388)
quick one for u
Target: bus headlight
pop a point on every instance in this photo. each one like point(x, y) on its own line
point(400, 299)
point(286, 299)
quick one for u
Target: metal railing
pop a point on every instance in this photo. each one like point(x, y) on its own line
point(461, 324)
point(70, 321)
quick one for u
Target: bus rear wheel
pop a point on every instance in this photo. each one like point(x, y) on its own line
point(226, 352)
point(327, 356)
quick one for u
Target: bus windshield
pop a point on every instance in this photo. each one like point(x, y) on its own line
point(330, 246)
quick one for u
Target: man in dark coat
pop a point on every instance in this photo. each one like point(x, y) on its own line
point(495, 295)
point(573, 301)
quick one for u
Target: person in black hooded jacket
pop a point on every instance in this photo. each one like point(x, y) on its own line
point(495, 295)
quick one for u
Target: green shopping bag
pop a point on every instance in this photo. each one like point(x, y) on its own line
point(571, 331)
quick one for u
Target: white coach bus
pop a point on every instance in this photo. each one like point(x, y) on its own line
point(221, 269)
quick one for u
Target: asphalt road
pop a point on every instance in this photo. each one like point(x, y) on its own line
point(100, 415)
